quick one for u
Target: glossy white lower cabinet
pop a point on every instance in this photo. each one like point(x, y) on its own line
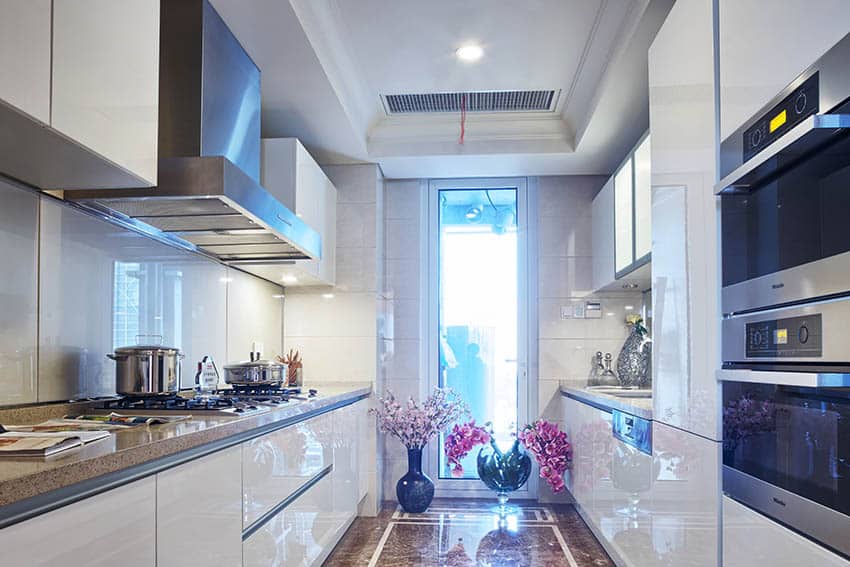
point(366, 448)
point(302, 534)
point(752, 539)
point(199, 511)
point(648, 511)
point(589, 431)
point(114, 528)
point(276, 465)
point(346, 451)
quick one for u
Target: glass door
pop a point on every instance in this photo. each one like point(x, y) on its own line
point(478, 318)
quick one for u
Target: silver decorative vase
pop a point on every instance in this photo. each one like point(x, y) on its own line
point(635, 360)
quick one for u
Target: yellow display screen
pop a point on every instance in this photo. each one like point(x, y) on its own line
point(781, 337)
point(778, 121)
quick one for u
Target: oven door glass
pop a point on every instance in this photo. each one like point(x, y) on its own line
point(800, 216)
point(794, 438)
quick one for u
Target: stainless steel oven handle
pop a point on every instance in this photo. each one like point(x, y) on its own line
point(797, 133)
point(805, 379)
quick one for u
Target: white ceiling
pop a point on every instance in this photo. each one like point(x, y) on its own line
point(325, 64)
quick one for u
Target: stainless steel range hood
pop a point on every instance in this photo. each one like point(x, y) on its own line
point(208, 195)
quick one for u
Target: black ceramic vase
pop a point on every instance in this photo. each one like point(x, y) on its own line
point(414, 490)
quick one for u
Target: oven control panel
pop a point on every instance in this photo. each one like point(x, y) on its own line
point(792, 337)
point(793, 109)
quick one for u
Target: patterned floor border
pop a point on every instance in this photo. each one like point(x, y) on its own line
point(543, 519)
point(433, 514)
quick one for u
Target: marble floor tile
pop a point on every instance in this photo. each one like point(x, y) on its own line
point(466, 533)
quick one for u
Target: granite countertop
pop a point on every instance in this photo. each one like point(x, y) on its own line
point(138, 451)
point(641, 407)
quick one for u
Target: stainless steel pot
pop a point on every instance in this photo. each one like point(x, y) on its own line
point(255, 372)
point(147, 370)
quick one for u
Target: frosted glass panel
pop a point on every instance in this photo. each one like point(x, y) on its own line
point(643, 201)
point(18, 226)
point(623, 250)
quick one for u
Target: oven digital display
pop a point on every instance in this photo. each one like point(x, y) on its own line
point(793, 109)
point(778, 121)
point(785, 338)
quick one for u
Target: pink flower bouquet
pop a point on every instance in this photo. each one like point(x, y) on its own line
point(550, 448)
point(461, 441)
point(414, 424)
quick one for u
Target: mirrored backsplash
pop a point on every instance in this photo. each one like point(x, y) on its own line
point(76, 287)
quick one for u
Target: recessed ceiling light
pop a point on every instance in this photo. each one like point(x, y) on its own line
point(328, 295)
point(469, 52)
point(289, 279)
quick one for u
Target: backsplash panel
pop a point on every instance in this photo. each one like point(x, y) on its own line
point(18, 295)
point(98, 287)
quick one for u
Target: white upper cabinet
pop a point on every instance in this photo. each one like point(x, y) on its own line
point(685, 271)
point(25, 56)
point(621, 216)
point(291, 174)
point(765, 45)
point(106, 79)
point(79, 92)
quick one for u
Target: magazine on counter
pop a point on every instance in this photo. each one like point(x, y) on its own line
point(44, 443)
point(117, 420)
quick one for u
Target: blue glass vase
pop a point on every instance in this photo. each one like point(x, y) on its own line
point(503, 471)
point(414, 490)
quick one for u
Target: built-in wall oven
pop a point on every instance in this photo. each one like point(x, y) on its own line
point(785, 236)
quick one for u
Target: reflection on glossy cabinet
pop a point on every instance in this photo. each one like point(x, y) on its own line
point(25, 56)
point(598, 436)
point(589, 431)
point(199, 511)
point(752, 539)
point(105, 73)
point(684, 503)
point(276, 465)
point(302, 534)
point(114, 528)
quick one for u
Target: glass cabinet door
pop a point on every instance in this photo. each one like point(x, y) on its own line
point(643, 201)
point(623, 232)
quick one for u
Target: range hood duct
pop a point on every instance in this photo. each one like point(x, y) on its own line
point(208, 196)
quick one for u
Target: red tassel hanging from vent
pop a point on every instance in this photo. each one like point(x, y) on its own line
point(462, 118)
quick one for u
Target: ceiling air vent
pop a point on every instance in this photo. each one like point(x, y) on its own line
point(475, 101)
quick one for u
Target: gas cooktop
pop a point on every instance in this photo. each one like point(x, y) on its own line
point(237, 401)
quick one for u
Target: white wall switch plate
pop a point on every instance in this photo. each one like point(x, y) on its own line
point(566, 312)
point(593, 310)
point(578, 311)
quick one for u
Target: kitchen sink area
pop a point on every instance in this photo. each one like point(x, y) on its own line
point(641, 393)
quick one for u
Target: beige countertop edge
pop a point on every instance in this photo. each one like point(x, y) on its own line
point(23, 479)
point(641, 407)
